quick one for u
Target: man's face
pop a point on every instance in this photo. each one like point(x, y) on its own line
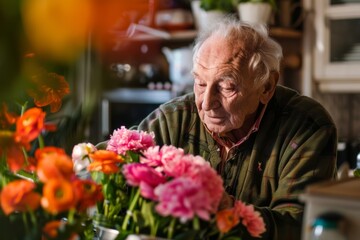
point(225, 98)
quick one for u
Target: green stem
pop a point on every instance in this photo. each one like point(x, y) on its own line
point(41, 141)
point(171, 228)
point(196, 224)
point(25, 222)
point(71, 216)
point(33, 218)
point(23, 108)
point(130, 210)
point(154, 227)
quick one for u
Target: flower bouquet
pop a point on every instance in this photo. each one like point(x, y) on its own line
point(40, 195)
point(160, 191)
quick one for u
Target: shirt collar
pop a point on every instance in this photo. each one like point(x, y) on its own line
point(226, 142)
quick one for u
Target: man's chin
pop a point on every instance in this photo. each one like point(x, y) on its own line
point(216, 129)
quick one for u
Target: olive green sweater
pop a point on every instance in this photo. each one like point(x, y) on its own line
point(295, 146)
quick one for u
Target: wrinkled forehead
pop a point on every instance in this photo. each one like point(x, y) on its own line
point(217, 51)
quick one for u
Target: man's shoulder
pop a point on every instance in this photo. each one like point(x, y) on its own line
point(181, 103)
point(294, 104)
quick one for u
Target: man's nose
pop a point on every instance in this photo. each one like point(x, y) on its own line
point(210, 99)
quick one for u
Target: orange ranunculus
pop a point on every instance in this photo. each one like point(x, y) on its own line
point(54, 165)
point(226, 219)
point(30, 125)
point(50, 230)
point(46, 151)
point(12, 150)
point(18, 195)
point(6, 118)
point(88, 193)
point(58, 196)
point(49, 89)
point(15, 157)
point(105, 161)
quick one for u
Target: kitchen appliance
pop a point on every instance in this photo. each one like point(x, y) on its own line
point(336, 197)
point(180, 68)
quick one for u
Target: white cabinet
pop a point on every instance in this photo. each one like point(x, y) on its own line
point(336, 57)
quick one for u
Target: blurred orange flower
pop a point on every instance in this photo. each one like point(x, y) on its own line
point(49, 89)
point(30, 125)
point(58, 196)
point(6, 118)
point(43, 152)
point(226, 219)
point(88, 193)
point(54, 165)
point(105, 161)
point(57, 29)
point(50, 230)
point(19, 195)
point(12, 150)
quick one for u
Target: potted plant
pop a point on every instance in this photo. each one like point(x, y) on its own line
point(256, 11)
point(208, 12)
point(221, 5)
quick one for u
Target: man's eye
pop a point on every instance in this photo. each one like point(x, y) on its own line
point(200, 84)
point(227, 91)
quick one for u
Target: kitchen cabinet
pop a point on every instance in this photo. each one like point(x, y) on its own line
point(336, 36)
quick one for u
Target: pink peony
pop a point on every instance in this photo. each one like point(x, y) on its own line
point(250, 218)
point(183, 198)
point(200, 171)
point(138, 174)
point(157, 157)
point(124, 139)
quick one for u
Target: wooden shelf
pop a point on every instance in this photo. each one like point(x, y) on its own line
point(278, 32)
point(144, 33)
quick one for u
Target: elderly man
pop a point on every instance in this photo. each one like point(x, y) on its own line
point(266, 141)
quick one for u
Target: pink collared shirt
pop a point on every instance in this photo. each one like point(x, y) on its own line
point(226, 145)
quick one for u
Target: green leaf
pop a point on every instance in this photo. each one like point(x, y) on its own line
point(357, 172)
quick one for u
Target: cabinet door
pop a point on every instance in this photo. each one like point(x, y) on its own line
point(337, 43)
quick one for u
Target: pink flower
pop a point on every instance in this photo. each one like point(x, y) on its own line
point(250, 218)
point(123, 140)
point(183, 198)
point(157, 157)
point(138, 174)
point(80, 155)
point(200, 171)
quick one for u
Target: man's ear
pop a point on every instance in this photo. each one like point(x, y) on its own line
point(269, 87)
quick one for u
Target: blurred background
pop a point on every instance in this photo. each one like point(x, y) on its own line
point(124, 58)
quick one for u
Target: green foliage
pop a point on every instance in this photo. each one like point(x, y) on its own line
point(224, 5)
point(357, 172)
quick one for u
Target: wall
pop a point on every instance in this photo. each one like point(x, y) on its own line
point(345, 110)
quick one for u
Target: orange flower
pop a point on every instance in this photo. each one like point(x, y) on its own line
point(18, 195)
point(54, 165)
point(58, 196)
point(43, 152)
point(15, 157)
point(30, 125)
point(88, 193)
point(50, 88)
point(226, 219)
point(105, 161)
point(50, 230)
point(6, 118)
point(12, 150)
